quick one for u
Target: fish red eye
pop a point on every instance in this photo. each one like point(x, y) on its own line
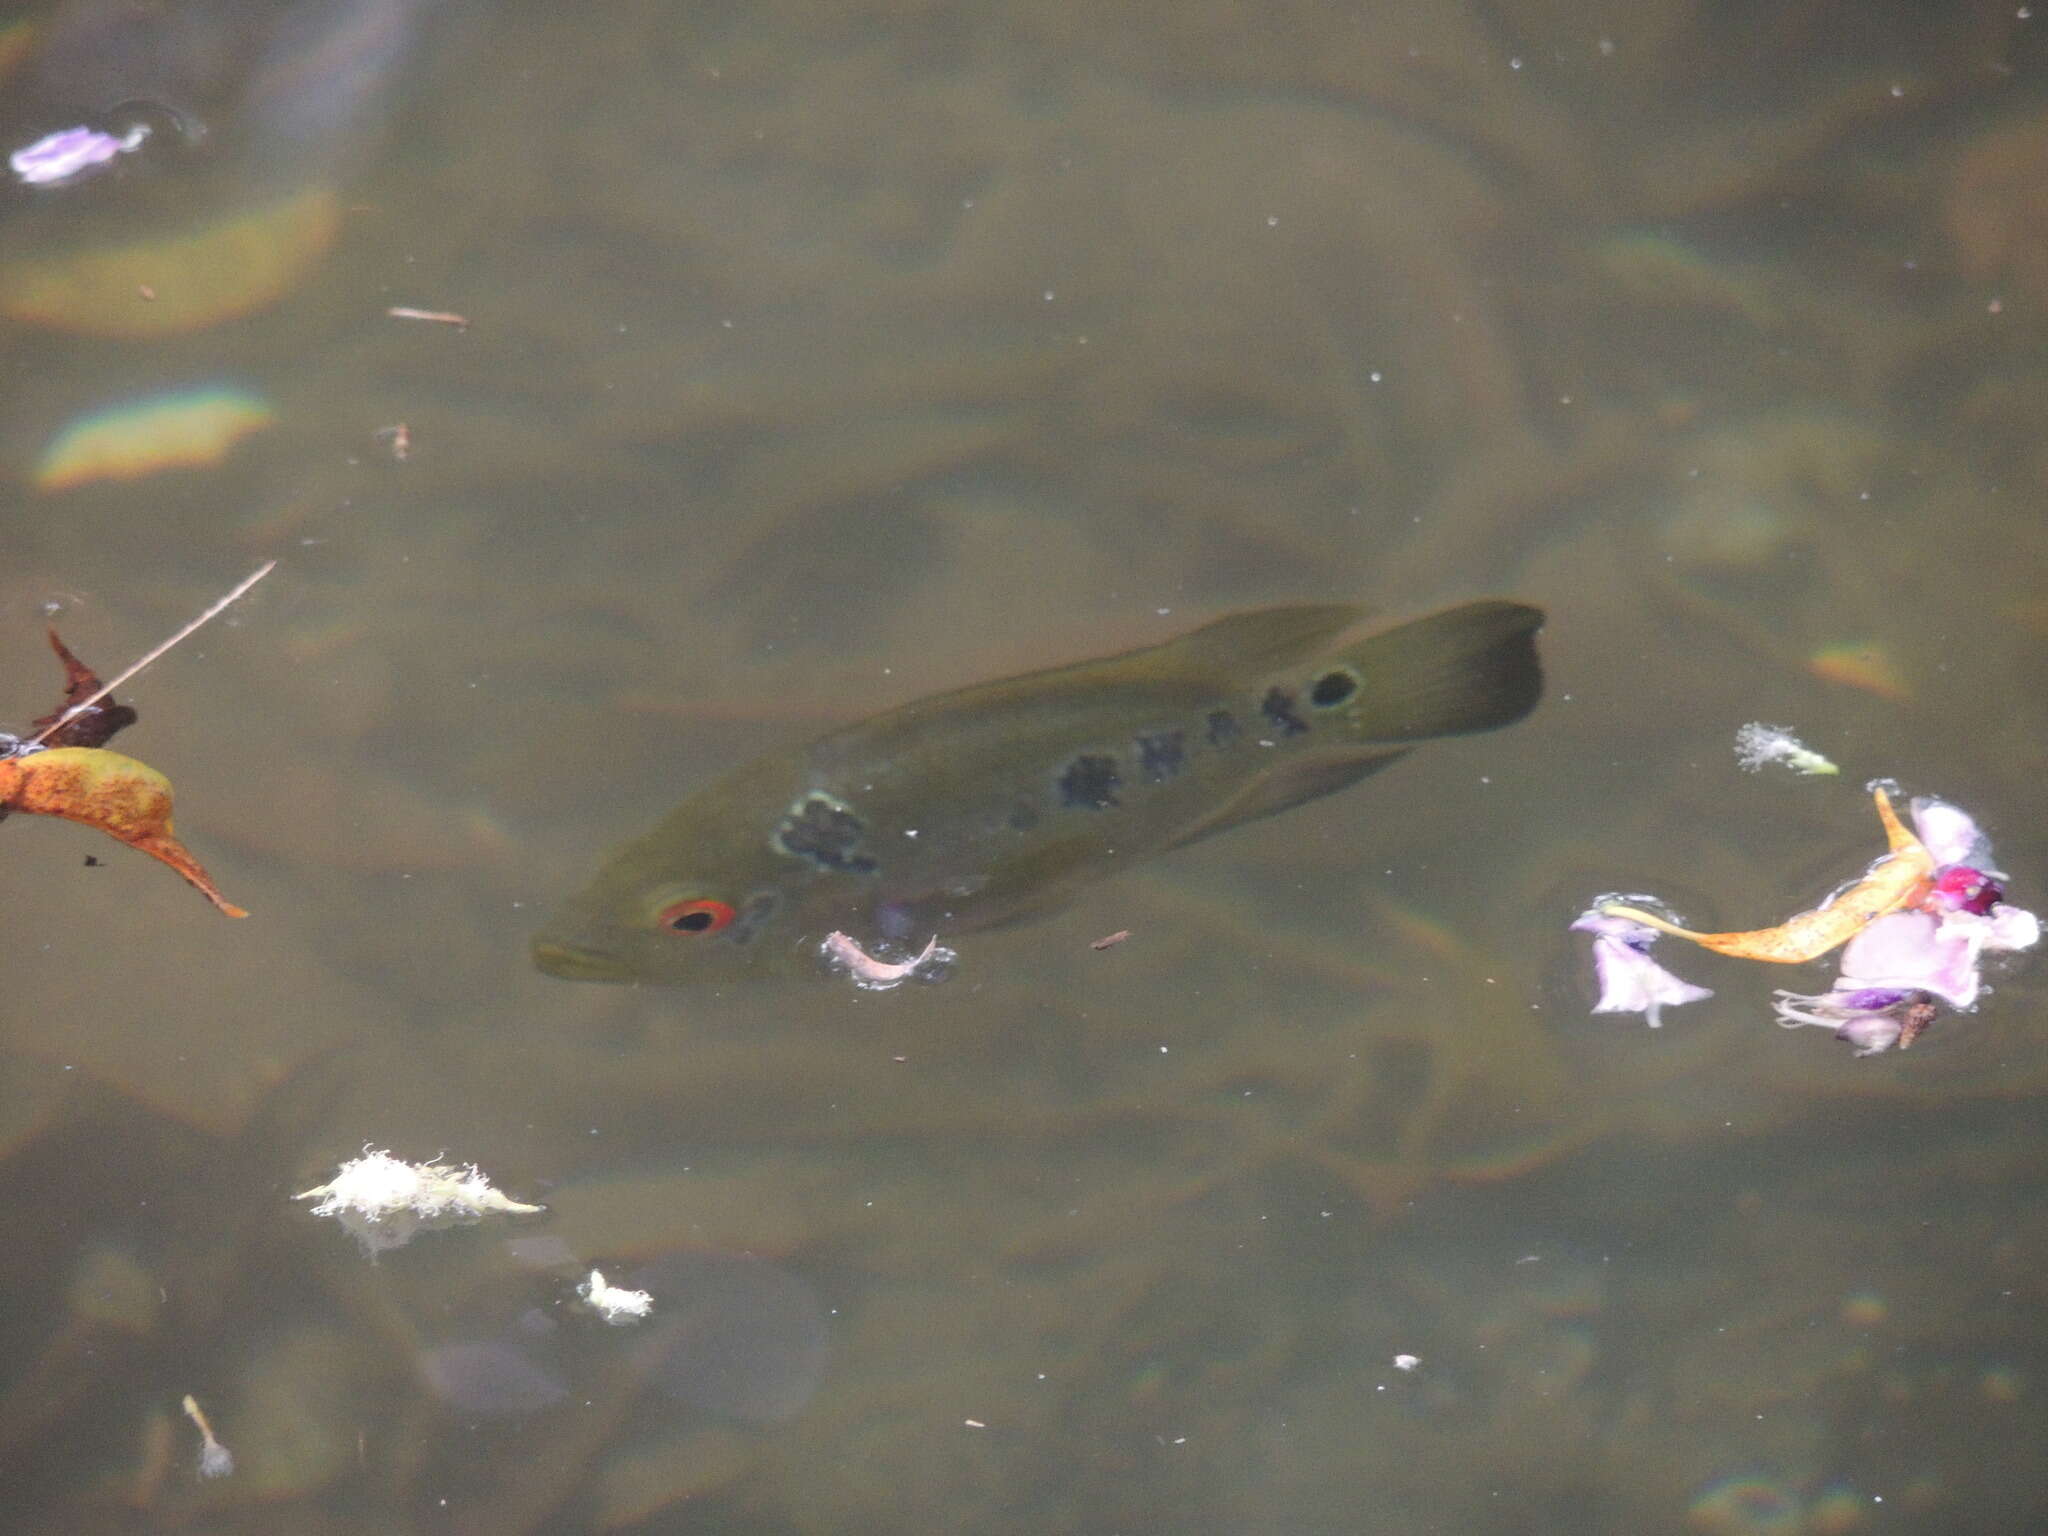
point(704, 916)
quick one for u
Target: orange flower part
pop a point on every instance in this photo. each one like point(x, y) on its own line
point(1895, 881)
point(123, 798)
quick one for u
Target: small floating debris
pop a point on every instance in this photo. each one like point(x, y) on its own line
point(1110, 940)
point(385, 1201)
point(431, 316)
point(215, 1459)
point(844, 953)
point(1407, 1362)
point(1757, 744)
point(615, 1304)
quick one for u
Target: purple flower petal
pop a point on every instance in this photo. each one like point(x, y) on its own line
point(1630, 981)
point(59, 156)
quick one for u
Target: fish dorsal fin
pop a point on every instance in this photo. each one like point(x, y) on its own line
point(1289, 786)
point(1250, 644)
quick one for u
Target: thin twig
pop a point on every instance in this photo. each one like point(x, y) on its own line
point(214, 612)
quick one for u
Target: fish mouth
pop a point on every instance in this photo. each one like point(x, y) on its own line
point(575, 962)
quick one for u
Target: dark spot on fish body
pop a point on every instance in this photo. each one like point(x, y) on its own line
point(1090, 782)
point(1222, 728)
point(1333, 688)
point(1278, 708)
point(824, 831)
point(1162, 755)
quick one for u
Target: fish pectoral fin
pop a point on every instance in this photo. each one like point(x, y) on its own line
point(1252, 643)
point(1289, 786)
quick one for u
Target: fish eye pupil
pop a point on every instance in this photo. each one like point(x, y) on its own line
point(700, 916)
point(1331, 689)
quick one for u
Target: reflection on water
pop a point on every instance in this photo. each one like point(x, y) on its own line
point(823, 358)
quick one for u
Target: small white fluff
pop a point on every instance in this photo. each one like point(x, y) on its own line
point(1406, 1362)
point(1757, 744)
point(384, 1201)
point(613, 1303)
point(215, 1459)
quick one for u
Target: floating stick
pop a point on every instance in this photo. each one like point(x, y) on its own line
point(214, 612)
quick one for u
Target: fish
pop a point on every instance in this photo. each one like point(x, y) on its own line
point(997, 803)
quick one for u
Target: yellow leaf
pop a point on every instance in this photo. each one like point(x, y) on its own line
point(1894, 882)
point(123, 798)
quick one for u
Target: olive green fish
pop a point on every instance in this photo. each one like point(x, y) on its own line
point(977, 807)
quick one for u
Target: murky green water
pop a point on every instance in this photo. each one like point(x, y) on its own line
point(820, 357)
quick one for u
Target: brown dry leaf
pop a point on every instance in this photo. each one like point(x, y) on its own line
point(123, 798)
point(92, 726)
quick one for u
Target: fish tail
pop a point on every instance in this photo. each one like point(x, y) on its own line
point(1468, 668)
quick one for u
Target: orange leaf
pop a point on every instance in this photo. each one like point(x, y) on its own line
point(123, 798)
point(1894, 881)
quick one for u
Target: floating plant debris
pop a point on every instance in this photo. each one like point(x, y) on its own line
point(844, 953)
point(614, 1303)
point(64, 770)
point(1757, 744)
point(215, 1459)
point(1913, 933)
point(385, 1202)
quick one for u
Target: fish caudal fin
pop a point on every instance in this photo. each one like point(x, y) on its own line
point(1469, 668)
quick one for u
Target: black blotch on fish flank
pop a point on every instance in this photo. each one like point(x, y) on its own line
point(1222, 728)
point(1161, 754)
point(825, 831)
point(1333, 688)
point(1090, 782)
point(1278, 708)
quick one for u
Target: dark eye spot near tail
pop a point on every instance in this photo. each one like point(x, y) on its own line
point(1161, 754)
point(1222, 728)
point(824, 831)
point(1278, 708)
point(1333, 688)
point(1090, 782)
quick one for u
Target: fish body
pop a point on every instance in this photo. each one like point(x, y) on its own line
point(987, 804)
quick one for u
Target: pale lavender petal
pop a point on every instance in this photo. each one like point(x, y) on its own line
point(1917, 951)
point(2012, 928)
point(1949, 832)
point(61, 155)
point(1870, 1032)
point(1631, 982)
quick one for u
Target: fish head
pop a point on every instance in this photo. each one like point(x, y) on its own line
point(714, 921)
point(704, 897)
